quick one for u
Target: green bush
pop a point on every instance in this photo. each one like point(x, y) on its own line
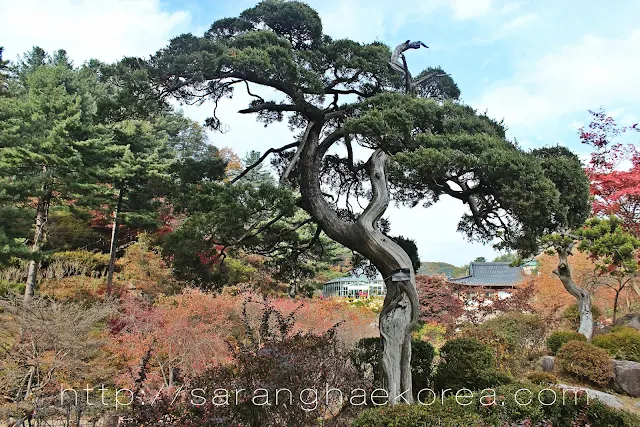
point(506, 411)
point(559, 338)
point(517, 339)
point(447, 414)
point(542, 378)
point(366, 360)
point(433, 333)
point(573, 315)
point(70, 229)
point(7, 288)
point(364, 357)
point(586, 362)
point(467, 363)
point(622, 342)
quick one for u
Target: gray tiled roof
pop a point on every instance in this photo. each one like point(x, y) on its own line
point(491, 274)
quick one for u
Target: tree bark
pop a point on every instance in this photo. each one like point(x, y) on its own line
point(615, 304)
point(114, 243)
point(635, 286)
point(400, 310)
point(582, 297)
point(42, 216)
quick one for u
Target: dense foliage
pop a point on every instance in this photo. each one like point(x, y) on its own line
point(500, 408)
point(190, 332)
point(151, 259)
point(439, 300)
point(516, 339)
point(615, 252)
point(557, 339)
point(542, 378)
point(622, 342)
point(420, 145)
point(586, 362)
point(312, 371)
point(614, 169)
point(467, 363)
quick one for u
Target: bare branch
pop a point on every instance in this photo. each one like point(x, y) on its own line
point(296, 155)
point(328, 141)
point(339, 80)
point(251, 94)
point(352, 167)
point(346, 92)
point(261, 159)
point(427, 77)
point(270, 106)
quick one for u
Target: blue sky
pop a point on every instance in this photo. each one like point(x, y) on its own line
point(540, 65)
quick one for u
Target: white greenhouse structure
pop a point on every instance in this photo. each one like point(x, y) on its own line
point(354, 287)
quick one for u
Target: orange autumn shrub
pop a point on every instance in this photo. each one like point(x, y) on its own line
point(195, 330)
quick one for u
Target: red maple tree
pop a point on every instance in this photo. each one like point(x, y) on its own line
point(439, 300)
point(614, 170)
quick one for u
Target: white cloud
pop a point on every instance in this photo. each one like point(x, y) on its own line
point(616, 113)
point(377, 19)
point(509, 7)
point(519, 22)
point(595, 71)
point(107, 30)
point(628, 119)
point(507, 29)
point(469, 9)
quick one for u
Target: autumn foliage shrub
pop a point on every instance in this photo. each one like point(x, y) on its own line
point(365, 357)
point(557, 339)
point(622, 342)
point(47, 345)
point(431, 332)
point(143, 269)
point(517, 339)
point(467, 363)
point(586, 362)
point(542, 378)
point(310, 370)
point(438, 300)
point(190, 332)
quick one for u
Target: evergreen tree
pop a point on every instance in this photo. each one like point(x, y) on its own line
point(337, 93)
point(49, 145)
point(258, 174)
point(149, 145)
point(4, 74)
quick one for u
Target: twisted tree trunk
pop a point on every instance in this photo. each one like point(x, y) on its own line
point(400, 310)
point(582, 297)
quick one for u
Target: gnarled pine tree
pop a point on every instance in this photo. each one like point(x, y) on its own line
point(339, 93)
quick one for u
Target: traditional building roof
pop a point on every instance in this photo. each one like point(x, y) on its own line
point(494, 274)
